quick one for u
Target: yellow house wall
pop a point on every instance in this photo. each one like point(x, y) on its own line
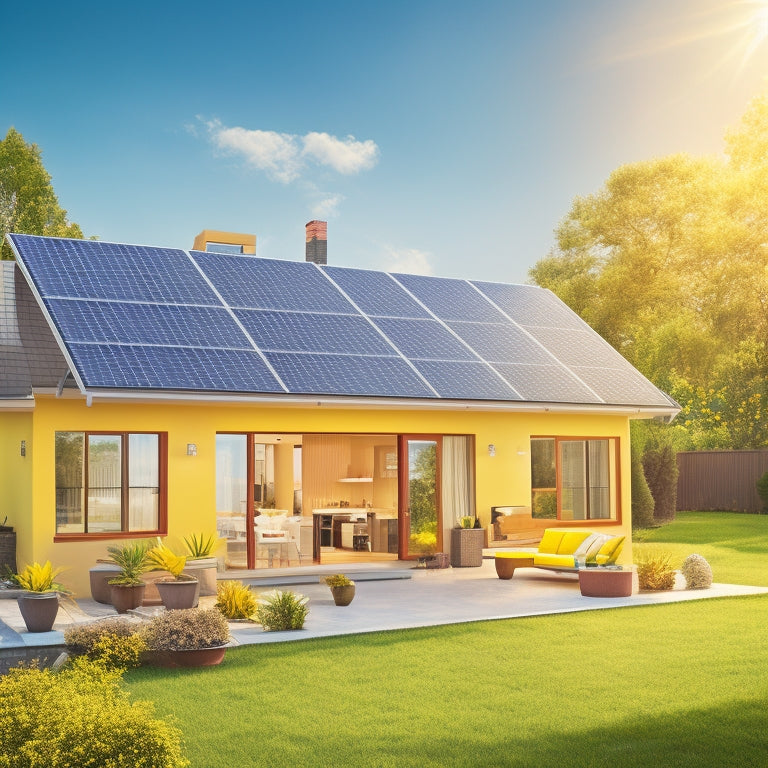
point(16, 480)
point(500, 480)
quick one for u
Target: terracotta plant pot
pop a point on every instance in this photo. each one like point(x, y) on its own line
point(39, 609)
point(343, 595)
point(196, 657)
point(178, 594)
point(126, 597)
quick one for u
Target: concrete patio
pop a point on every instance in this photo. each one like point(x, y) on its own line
point(418, 598)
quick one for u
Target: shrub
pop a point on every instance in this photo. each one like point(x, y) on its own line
point(762, 490)
point(132, 559)
point(235, 600)
point(40, 578)
point(655, 571)
point(186, 629)
point(80, 718)
point(642, 499)
point(697, 572)
point(113, 642)
point(280, 611)
point(660, 468)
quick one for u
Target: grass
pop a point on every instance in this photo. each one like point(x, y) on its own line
point(669, 685)
point(735, 545)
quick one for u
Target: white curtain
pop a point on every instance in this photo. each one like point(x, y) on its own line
point(457, 482)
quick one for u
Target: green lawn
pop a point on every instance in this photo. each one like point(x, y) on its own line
point(670, 685)
point(736, 546)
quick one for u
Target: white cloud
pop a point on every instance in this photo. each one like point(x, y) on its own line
point(346, 155)
point(327, 208)
point(407, 260)
point(284, 156)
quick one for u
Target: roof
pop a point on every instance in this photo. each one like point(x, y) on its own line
point(137, 321)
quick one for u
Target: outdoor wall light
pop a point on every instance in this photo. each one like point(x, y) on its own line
point(191, 449)
point(23, 448)
point(491, 449)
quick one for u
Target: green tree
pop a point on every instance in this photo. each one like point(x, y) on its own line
point(28, 203)
point(668, 263)
point(642, 499)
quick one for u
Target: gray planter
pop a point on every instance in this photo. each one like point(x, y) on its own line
point(39, 609)
point(178, 594)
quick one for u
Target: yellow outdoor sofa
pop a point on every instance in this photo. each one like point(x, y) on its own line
point(562, 549)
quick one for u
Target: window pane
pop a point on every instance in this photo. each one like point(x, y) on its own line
point(543, 479)
point(573, 468)
point(143, 482)
point(70, 447)
point(599, 479)
point(104, 483)
point(231, 496)
point(543, 474)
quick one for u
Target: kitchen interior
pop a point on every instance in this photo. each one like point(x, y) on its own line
point(321, 498)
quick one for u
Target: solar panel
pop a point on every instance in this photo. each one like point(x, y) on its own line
point(530, 305)
point(310, 332)
point(546, 383)
point(423, 339)
point(501, 343)
point(175, 368)
point(156, 324)
point(465, 380)
point(135, 317)
point(376, 293)
point(348, 375)
point(89, 269)
point(250, 282)
point(451, 299)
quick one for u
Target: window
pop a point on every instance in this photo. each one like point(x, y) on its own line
point(110, 483)
point(574, 479)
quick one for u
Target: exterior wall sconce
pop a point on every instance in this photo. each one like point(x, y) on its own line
point(191, 449)
point(491, 449)
point(23, 448)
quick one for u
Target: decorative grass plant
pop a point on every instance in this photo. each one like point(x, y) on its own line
point(235, 600)
point(282, 610)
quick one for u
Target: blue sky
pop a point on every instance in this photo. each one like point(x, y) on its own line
point(441, 137)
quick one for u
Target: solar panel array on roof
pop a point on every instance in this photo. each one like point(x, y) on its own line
point(145, 318)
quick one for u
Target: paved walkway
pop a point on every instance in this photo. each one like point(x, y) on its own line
point(429, 598)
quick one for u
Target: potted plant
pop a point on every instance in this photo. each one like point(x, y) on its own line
point(127, 589)
point(194, 637)
point(342, 588)
point(40, 602)
point(467, 540)
point(178, 590)
point(200, 560)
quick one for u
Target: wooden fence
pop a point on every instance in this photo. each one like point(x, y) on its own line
point(712, 480)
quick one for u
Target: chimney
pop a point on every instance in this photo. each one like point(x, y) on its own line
point(317, 242)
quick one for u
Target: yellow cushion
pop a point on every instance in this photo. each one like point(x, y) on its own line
point(514, 555)
point(550, 541)
point(561, 561)
point(610, 550)
point(571, 541)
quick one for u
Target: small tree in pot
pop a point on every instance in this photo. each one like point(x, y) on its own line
point(178, 590)
point(127, 589)
point(40, 604)
point(342, 588)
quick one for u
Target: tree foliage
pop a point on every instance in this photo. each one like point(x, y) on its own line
point(669, 263)
point(28, 203)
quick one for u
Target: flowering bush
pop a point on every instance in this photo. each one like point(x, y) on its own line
point(185, 630)
point(697, 572)
point(113, 642)
point(81, 718)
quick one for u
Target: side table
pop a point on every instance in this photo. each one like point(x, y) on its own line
point(605, 582)
point(505, 566)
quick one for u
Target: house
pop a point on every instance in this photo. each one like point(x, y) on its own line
point(306, 412)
